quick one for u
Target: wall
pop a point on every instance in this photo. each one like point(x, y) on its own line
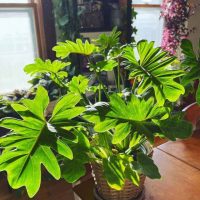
point(194, 21)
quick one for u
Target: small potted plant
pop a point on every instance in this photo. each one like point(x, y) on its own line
point(109, 128)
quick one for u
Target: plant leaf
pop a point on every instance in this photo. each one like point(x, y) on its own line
point(33, 141)
point(54, 69)
point(78, 84)
point(152, 68)
point(132, 175)
point(66, 102)
point(198, 95)
point(173, 129)
point(113, 171)
point(108, 65)
point(147, 166)
point(122, 117)
point(45, 67)
point(64, 49)
point(190, 60)
point(106, 42)
point(121, 132)
point(74, 169)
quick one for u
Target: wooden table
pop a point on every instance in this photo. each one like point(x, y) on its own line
point(179, 164)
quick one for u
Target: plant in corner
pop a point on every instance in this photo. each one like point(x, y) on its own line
point(111, 133)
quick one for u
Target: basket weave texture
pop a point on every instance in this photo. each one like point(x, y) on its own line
point(128, 192)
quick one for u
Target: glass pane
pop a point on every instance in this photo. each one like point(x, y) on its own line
point(147, 1)
point(149, 25)
point(18, 47)
point(14, 1)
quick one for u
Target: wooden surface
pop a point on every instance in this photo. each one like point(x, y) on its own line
point(179, 180)
point(50, 190)
point(179, 165)
point(187, 151)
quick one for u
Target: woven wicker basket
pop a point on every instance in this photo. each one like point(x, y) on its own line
point(129, 191)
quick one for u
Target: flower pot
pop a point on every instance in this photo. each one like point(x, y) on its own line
point(192, 114)
point(129, 192)
point(105, 192)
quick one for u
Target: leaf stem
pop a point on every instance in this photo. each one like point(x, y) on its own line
point(101, 87)
point(118, 77)
point(59, 80)
point(99, 91)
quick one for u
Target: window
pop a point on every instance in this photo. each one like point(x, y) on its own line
point(19, 42)
point(148, 21)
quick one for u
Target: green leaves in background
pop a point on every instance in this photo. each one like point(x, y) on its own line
point(106, 42)
point(78, 84)
point(190, 61)
point(64, 49)
point(55, 69)
point(152, 68)
point(106, 65)
point(34, 141)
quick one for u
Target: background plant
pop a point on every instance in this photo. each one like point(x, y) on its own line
point(175, 14)
point(191, 63)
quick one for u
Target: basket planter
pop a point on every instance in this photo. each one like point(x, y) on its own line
point(105, 192)
point(129, 191)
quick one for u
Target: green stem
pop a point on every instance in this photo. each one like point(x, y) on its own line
point(99, 91)
point(118, 77)
point(59, 80)
point(86, 100)
point(101, 87)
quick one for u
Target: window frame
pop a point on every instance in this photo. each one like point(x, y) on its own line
point(150, 6)
point(146, 5)
point(36, 6)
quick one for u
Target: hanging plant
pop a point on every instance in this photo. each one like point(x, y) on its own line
point(175, 14)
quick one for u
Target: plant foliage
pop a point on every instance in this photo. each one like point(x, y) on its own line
point(55, 70)
point(136, 116)
point(64, 49)
point(112, 132)
point(33, 140)
point(152, 67)
point(191, 62)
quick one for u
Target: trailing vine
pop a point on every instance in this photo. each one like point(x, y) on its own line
point(175, 14)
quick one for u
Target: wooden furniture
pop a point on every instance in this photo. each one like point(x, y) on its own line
point(179, 164)
point(50, 190)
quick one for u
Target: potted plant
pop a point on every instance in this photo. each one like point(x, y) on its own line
point(109, 130)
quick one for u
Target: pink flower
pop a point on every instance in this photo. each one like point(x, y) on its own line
point(175, 13)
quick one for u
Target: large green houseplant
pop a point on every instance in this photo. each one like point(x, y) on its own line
point(109, 129)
